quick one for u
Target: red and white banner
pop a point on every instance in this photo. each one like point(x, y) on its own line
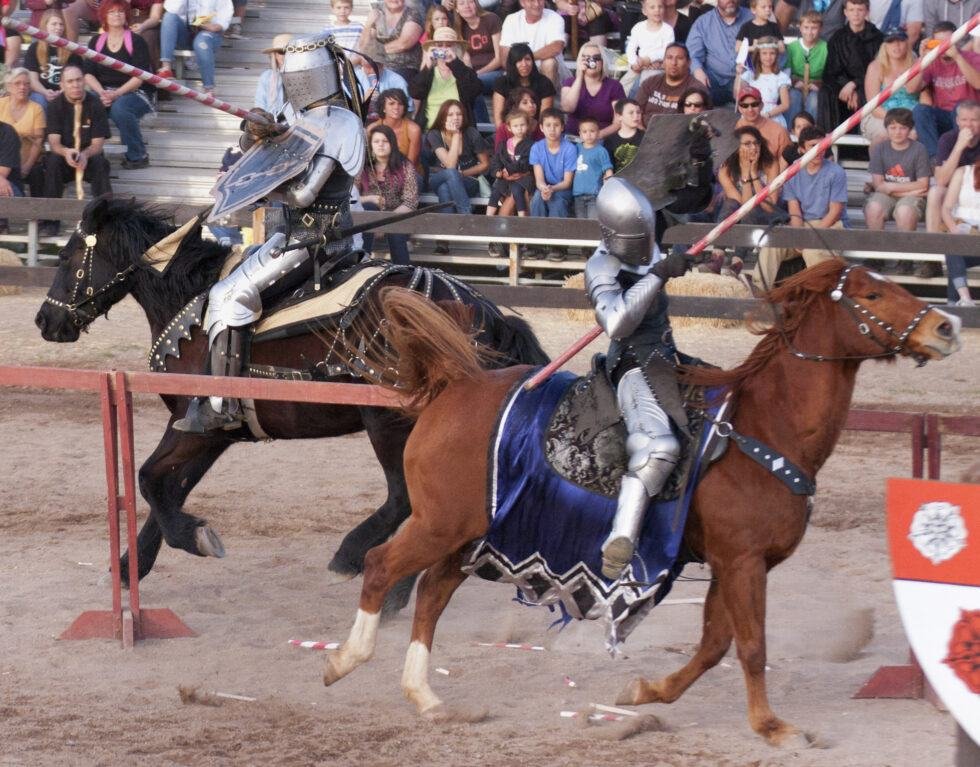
point(934, 537)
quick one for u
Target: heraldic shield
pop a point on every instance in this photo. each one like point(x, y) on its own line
point(934, 539)
point(266, 166)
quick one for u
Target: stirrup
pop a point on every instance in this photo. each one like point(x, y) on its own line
point(616, 554)
point(202, 418)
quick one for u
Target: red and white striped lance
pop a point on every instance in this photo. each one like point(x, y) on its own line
point(777, 182)
point(163, 83)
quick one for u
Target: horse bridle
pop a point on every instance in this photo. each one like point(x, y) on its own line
point(83, 274)
point(862, 316)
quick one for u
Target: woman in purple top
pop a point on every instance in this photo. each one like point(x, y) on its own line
point(590, 93)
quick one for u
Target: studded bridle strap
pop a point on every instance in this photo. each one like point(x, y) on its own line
point(82, 275)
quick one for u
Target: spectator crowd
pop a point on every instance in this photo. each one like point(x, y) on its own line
point(529, 105)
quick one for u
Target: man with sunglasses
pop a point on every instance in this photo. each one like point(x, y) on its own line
point(750, 109)
point(659, 94)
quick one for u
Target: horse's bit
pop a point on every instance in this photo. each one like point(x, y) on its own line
point(862, 316)
point(82, 275)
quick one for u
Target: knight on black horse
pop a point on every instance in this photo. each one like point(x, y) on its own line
point(315, 185)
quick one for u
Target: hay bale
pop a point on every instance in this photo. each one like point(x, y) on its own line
point(9, 258)
point(691, 284)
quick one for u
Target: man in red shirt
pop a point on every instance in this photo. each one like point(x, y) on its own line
point(750, 109)
point(950, 79)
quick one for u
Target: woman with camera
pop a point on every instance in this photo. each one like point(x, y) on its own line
point(391, 36)
point(444, 76)
point(590, 93)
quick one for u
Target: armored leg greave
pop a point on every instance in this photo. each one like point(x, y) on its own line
point(206, 414)
point(653, 453)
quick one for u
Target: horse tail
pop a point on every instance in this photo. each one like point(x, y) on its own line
point(428, 344)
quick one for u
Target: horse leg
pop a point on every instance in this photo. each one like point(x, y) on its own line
point(413, 549)
point(716, 638)
point(436, 587)
point(166, 479)
point(388, 433)
point(743, 587)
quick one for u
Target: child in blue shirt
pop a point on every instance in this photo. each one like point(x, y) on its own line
point(593, 167)
point(553, 159)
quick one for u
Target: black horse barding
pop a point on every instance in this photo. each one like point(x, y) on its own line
point(104, 261)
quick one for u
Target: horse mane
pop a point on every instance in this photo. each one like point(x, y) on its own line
point(793, 300)
point(126, 228)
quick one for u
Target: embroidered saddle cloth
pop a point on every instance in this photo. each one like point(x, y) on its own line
point(547, 525)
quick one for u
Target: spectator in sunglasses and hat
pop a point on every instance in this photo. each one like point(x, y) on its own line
point(750, 108)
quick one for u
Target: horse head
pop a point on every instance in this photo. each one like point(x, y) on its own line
point(869, 316)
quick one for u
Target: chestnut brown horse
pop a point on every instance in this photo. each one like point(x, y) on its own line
point(792, 393)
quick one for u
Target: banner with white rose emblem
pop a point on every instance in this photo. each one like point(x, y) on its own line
point(934, 537)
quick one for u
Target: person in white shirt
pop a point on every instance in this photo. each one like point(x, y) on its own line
point(648, 42)
point(544, 31)
point(204, 22)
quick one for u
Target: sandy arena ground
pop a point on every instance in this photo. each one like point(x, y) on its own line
point(282, 509)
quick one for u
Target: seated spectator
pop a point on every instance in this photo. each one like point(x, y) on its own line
point(145, 17)
point(591, 93)
point(391, 36)
point(521, 72)
point(435, 18)
point(693, 101)
point(199, 21)
point(591, 170)
point(894, 57)
point(766, 77)
point(750, 109)
point(957, 148)
point(647, 46)
point(745, 173)
point(456, 155)
point(792, 152)
point(520, 100)
point(659, 94)
point(127, 98)
point(900, 173)
point(11, 184)
point(623, 145)
point(832, 12)
point(711, 43)
point(510, 169)
point(375, 78)
point(807, 57)
point(27, 119)
point(543, 31)
point(849, 54)
point(480, 30)
point(590, 15)
point(388, 183)
point(759, 26)
point(64, 160)
point(950, 79)
point(958, 12)
point(816, 197)
point(554, 159)
point(680, 23)
point(444, 76)
point(961, 214)
point(269, 92)
point(394, 115)
point(75, 12)
point(347, 33)
point(45, 62)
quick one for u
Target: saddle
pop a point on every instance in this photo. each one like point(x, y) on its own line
point(585, 441)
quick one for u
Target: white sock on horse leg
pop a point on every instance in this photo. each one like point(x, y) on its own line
point(415, 678)
point(359, 646)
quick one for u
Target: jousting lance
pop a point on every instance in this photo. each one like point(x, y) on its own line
point(777, 183)
point(163, 83)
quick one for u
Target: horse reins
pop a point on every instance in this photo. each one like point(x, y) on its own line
point(82, 275)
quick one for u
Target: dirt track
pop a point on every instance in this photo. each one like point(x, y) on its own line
point(282, 508)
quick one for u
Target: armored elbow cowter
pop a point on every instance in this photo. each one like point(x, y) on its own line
point(617, 311)
point(301, 193)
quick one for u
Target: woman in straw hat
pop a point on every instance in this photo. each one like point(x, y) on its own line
point(269, 93)
point(444, 76)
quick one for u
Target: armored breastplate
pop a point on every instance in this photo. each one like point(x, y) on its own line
point(651, 335)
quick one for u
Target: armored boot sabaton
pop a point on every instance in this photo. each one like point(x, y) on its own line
point(205, 414)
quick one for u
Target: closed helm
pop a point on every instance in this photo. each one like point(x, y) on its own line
point(309, 71)
point(627, 221)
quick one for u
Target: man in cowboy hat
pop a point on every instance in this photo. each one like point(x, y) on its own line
point(444, 76)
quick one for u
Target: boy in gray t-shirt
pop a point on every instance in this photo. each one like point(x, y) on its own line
point(900, 172)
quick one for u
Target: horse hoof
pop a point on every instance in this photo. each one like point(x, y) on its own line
point(330, 672)
point(633, 693)
point(783, 735)
point(335, 578)
point(208, 542)
point(443, 714)
point(343, 569)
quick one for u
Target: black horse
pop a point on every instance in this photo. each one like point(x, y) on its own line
point(104, 260)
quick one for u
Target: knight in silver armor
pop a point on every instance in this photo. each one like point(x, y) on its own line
point(310, 170)
point(624, 278)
